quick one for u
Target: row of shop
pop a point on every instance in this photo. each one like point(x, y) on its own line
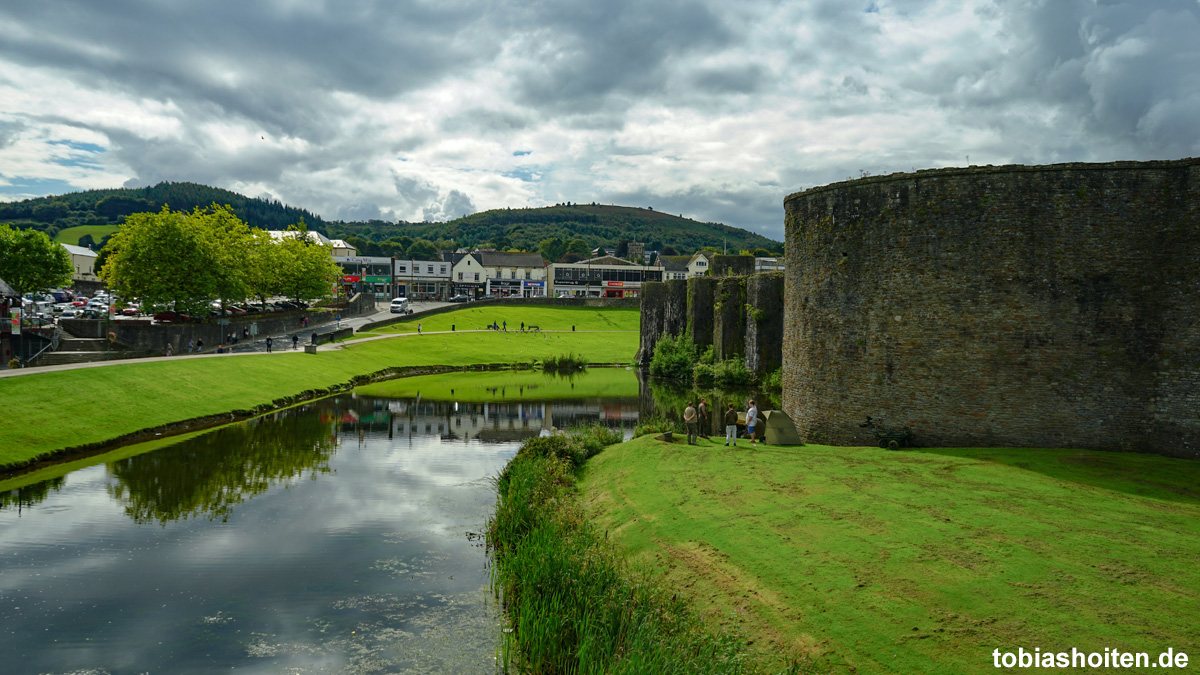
point(480, 275)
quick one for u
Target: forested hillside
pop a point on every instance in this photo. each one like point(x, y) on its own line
point(586, 226)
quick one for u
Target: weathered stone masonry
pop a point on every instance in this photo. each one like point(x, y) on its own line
point(1049, 306)
point(741, 317)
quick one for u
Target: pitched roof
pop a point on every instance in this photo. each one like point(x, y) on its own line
point(674, 263)
point(79, 250)
point(7, 291)
point(607, 260)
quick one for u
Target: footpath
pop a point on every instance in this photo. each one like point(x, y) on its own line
point(282, 343)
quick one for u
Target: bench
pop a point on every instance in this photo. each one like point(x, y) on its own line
point(533, 328)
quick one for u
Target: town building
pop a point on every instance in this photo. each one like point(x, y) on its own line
point(603, 277)
point(366, 274)
point(83, 260)
point(700, 263)
point(339, 248)
point(674, 266)
point(768, 265)
point(422, 279)
point(493, 274)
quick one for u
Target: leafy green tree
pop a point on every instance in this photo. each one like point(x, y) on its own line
point(580, 248)
point(307, 269)
point(86, 241)
point(622, 249)
point(177, 259)
point(552, 249)
point(263, 274)
point(423, 249)
point(30, 262)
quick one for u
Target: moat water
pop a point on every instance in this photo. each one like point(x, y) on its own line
point(340, 536)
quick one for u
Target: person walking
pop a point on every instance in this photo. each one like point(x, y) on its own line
point(314, 337)
point(418, 328)
point(751, 419)
point(506, 325)
point(269, 343)
point(731, 427)
point(295, 340)
point(522, 326)
point(702, 417)
point(689, 419)
point(191, 345)
point(199, 345)
point(168, 349)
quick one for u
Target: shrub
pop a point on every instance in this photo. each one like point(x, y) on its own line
point(658, 424)
point(728, 373)
point(774, 381)
point(564, 363)
point(673, 357)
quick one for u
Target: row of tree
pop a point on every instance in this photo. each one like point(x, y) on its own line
point(188, 260)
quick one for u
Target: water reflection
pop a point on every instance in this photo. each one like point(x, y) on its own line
point(208, 475)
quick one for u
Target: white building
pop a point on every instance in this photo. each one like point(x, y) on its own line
point(340, 249)
point(422, 279)
point(700, 263)
point(84, 262)
point(494, 274)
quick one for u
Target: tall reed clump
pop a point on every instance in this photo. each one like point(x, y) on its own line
point(564, 363)
point(574, 606)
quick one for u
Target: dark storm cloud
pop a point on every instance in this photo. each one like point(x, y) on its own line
point(1126, 73)
point(584, 55)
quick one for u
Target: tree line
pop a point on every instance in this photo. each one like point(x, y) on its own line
point(186, 261)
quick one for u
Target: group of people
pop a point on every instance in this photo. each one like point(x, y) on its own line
point(696, 417)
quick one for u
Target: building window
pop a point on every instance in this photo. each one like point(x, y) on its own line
point(431, 269)
point(442, 269)
point(477, 276)
point(460, 276)
point(402, 269)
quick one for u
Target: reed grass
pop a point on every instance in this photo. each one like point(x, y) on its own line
point(574, 605)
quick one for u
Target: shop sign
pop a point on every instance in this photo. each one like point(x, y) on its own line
point(614, 283)
point(534, 284)
point(351, 278)
point(16, 322)
point(377, 280)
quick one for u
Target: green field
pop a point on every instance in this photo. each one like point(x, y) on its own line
point(43, 411)
point(915, 562)
point(472, 317)
point(71, 235)
point(510, 385)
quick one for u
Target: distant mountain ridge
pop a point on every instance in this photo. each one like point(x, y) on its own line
point(525, 228)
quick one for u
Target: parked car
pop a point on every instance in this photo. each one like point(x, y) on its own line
point(399, 305)
point(461, 298)
point(129, 311)
point(172, 317)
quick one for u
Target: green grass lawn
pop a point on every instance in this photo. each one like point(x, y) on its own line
point(915, 562)
point(510, 385)
point(472, 317)
point(71, 235)
point(48, 411)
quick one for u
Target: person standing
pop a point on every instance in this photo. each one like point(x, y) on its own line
point(199, 345)
point(314, 337)
point(295, 340)
point(751, 419)
point(689, 419)
point(168, 349)
point(269, 343)
point(191, 345)
point(731, 426)
point(522, 326)
point(506, 325)
point(418, 328)
point(702, 417)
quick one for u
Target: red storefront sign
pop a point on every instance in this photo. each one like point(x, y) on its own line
point(615, 283)
point(351, 278)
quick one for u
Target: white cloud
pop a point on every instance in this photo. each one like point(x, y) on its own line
point(716, 110)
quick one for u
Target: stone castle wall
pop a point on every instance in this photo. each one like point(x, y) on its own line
point(1049, 306)
point(740, 317)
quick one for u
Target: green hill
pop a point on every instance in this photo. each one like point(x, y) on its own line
point(98, 212)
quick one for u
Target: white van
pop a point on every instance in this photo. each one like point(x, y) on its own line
point(399, 305)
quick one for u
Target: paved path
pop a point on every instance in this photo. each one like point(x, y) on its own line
point(283, 343)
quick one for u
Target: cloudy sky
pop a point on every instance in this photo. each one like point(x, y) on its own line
point(716, 110)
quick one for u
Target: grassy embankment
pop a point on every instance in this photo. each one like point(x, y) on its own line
point(574, 604)
point(915, 562)
point(517, 385)
point(45, 412)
